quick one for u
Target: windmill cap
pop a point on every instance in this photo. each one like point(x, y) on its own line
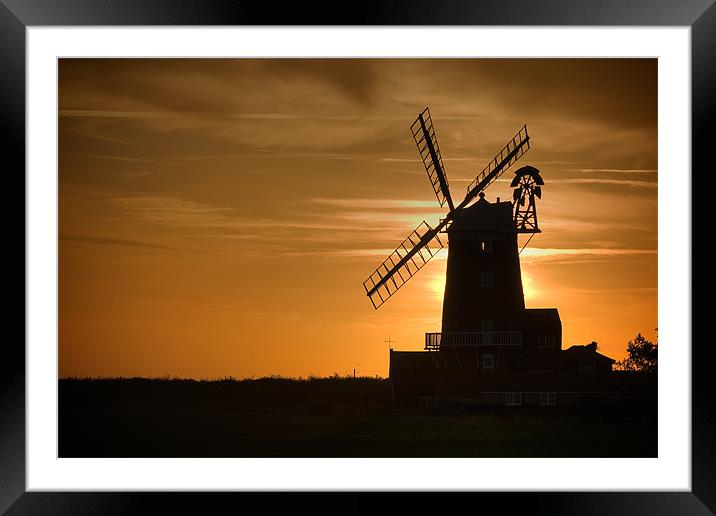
point(484, 216)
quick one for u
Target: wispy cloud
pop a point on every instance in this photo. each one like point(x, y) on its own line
point(129, 159)
point(615, 182)
point(275, 154)
point(236, 223)
point(178, 212)
point(617, 170)
point(377, 203)
point(98, 240)
point(341, 253)
point(101, 113)
point(536, 253)
point(555, 224)
point(528, 254)
point(631, 289)
point(445, 158)
point(350, 231)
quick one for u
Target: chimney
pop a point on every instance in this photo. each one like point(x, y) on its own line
point(498, 199)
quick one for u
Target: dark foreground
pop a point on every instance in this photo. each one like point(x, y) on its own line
point(328, 417)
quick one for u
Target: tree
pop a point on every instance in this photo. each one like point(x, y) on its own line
point(641, 355)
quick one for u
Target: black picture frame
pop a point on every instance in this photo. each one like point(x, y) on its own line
point(17, 15)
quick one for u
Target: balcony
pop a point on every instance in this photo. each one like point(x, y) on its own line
point(471, 339)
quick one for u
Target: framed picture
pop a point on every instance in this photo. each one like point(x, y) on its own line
point(197, 194)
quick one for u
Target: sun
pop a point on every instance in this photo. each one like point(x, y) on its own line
point(436, 285)
point(528, 287)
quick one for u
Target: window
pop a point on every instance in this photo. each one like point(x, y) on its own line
point(589, 367)
point(513, 399)
point(485, 246)
point(486, 279)
point(488, 363)
point(548, 399)
point(545, 341)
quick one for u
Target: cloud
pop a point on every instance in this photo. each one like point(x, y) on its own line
point(377, 203)
point(614, 182)
point(626, 288)
point(618, 170)
point(97, 240)
point(537, 254)
point(129, 159)
point(177, 212)
point(99, 113)
point(350, 230)
point(445, 159)
point(529, 254)
point(352, 223)
point(342, 253)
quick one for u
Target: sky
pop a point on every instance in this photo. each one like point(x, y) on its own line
point(218, 217)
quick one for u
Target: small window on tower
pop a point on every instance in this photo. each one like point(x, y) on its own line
point(487, 279)
point(488, 363)
point(485, 246)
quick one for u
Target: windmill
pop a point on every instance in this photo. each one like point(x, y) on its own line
point(424, 242)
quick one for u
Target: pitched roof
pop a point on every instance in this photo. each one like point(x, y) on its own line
point(586, 353)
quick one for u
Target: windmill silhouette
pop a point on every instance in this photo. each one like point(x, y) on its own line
point(528, 185)
point(424, 242)
point(491, 349)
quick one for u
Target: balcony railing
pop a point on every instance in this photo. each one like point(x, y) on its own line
point(435, 341)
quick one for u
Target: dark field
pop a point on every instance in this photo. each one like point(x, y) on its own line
point(326, 417)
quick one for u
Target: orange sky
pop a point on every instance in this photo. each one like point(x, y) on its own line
point(218, 217)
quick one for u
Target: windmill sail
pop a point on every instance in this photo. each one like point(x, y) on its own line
point(425, 138)
point(424, 243)
point(509, 154)
point(408, 258)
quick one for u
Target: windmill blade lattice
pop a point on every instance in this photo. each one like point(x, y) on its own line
point(424, 243)
point(509, 154)
point(423, 132)
point(407, 259)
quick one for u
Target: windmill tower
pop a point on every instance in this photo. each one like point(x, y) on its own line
point(483, 305)
point(483, 290)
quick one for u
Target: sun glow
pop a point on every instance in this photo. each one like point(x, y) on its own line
point(437, 285)
point(528, 287)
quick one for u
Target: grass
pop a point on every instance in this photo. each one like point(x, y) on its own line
point(317, 417)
